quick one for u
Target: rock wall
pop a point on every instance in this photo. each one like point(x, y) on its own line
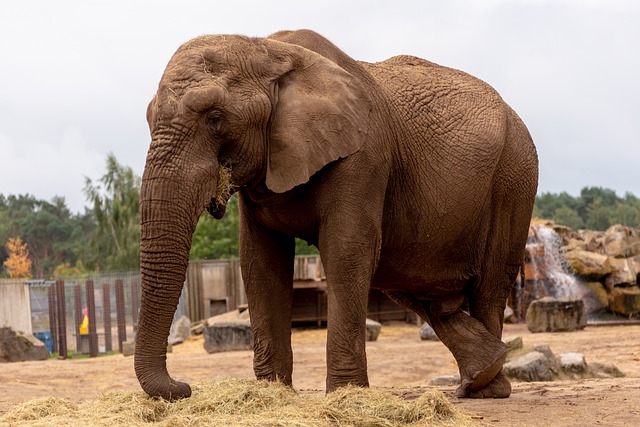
point(606, 263)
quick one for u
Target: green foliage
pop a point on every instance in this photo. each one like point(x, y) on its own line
point(303, 248)
point(48, 228)
point(217, 239)
point(115, 244)
point(596, 208)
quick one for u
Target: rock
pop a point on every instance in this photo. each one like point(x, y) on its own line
point(230, 316)
point(602, 370)
point(596, 297)
point(622, 272)
point(128, 348)
point(553, 360)
point(589, 265)
point(180, 330)
point(427, 333)
point(625, 300)
point(20, 347)
point(445, 380)
point(593, 241)
point(514, 343)
point(573, 364)
point(508, 315)
point(532, 366)
point(556, 314)
point(621, 241)
point(373, 330)
point(228, 336)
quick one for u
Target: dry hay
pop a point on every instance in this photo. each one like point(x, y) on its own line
point(225, 186)
point(242, 402)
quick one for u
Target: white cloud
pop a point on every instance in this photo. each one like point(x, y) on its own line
point(45, 169)
point(76, 76)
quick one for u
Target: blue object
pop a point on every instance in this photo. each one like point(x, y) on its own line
point(46, 339)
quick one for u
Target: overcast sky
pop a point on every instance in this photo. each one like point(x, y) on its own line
point(76, 76)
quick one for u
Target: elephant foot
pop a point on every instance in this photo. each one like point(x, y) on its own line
point(479, 354)
point(335, 383)
point(498, 388)
point(171, 391)
point(475, 378)
point(284, 379)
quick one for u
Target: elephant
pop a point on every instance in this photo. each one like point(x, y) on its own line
point(409, 177)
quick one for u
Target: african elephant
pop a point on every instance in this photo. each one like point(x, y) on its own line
point(408, 176)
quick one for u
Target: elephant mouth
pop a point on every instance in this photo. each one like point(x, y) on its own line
point(216, 209)
point(225, 189)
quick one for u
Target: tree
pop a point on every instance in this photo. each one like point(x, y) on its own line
point(115, 245)
point(48, 229)
point(18, 264)
point(217, 239)
point(598, 215)
point(564, 215)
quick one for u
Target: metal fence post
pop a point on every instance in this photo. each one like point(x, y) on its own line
point(106, 311)
point(120, 314)
point(53, 318)
point(78, 314)
point(91, 307)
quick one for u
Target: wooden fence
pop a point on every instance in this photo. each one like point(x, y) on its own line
point(215, 287)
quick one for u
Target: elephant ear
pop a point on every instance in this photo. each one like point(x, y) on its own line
point(321, 115)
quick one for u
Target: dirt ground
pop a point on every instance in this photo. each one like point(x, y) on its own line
point(399, 361)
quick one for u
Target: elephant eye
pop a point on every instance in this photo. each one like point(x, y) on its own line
point(215, 121)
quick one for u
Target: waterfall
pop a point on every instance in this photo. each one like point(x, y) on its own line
point(547, 274)
point(551, 267)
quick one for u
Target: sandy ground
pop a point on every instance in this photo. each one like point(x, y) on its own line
point(398, 361)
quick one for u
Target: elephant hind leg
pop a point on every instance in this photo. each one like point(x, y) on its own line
point(478, 353)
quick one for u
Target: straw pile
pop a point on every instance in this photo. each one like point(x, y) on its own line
point(241, 402)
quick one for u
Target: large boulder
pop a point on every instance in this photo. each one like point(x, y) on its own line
point(622, 272)
point(573, 364)
point(228, 336)
point(621, 241)
point(373, 329)
point(587, 264)
point(625, 300)
point(556, 315)
point(427, 333)
point(534, 366)
point(180, 330)
point(596, 297)
point(20, 347)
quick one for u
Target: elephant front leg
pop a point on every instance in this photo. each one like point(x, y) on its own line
point(349, 275)
point(267, 271)
point(479, 354)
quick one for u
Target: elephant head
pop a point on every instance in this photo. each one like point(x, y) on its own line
point(230, 113)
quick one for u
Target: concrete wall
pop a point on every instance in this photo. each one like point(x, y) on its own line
point(15, 306)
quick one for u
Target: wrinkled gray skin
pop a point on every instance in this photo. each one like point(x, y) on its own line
point(409, 177)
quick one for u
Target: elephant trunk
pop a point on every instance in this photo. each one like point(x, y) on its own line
point(168, 216)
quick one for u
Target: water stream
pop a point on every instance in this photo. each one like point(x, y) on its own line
point(558, 280)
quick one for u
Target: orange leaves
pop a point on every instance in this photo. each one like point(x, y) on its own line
point(18, 264)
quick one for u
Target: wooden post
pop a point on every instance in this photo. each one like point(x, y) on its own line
point(120, 316)
point(91, 308)
point(106, 312)
point(62, 320)
point(134, 305)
